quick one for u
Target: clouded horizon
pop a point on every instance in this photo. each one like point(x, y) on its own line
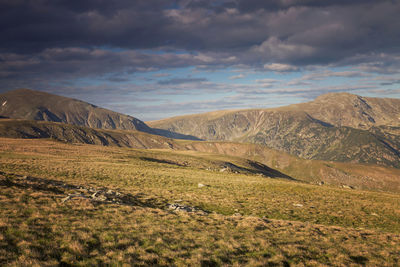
point(154, 58)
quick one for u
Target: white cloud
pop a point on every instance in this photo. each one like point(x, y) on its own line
point(240, 76)
point(278, 67)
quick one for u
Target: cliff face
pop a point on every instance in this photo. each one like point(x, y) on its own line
point(339, 127)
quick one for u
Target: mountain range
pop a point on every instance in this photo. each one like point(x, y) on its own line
point(338, 127)
point(334, 127)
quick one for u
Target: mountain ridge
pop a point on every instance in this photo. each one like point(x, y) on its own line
point(36, 105)
point(356, 129)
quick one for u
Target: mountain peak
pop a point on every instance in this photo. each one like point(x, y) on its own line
point(336, 95)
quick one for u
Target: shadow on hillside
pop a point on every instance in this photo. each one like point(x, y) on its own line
point(264, 169)
point(175, 135)
point(162, 161)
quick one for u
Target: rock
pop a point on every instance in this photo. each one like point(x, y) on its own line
point(237, 214)
point(65, 199)
point(101, 198)
point(347, 186)
point(321, 183)
point(82, 190)
point(223, 169)
point(298, 205)
point(202, 185)
point(184, 208)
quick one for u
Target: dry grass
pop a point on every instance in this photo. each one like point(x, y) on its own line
point(306, 225)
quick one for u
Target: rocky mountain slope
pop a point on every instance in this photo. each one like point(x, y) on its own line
point(344, 109)
point(339, 127)
point(35, 105)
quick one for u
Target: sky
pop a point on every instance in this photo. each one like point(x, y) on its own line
point(154, 59)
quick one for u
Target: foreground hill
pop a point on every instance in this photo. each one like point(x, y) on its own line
point(132, 139)
point(63, 204)
point(78, 134)
point(339, 127)
point(35, 105)
point(349, 175)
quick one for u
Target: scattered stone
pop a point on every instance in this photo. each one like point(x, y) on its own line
point(82, 190)
point(65, 199)
point(202, 185)
point(321, 183)
point(298, 205)
point(101, 198)
point(184, 208)
point(347, 186)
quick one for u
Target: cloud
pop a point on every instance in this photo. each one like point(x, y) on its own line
point(267, 80)
point(328, 74)
point(102, 46)
point(159, 75)
point(300, 32)
point(239, 76)
point(176, 81)
point(280, 67)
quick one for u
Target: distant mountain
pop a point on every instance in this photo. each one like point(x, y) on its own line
point(35, 105)
point(344, 109)
point(338, 127)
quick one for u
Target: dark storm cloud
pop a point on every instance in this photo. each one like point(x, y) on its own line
point(72, 39)
point(33, 25)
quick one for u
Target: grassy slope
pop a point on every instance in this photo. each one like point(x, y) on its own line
point(357, 175)
point(306, 223)
point(363, 176)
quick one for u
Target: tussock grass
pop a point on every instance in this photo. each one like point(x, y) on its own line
point(253, 220)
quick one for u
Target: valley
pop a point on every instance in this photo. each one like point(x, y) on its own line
point(268, 187)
